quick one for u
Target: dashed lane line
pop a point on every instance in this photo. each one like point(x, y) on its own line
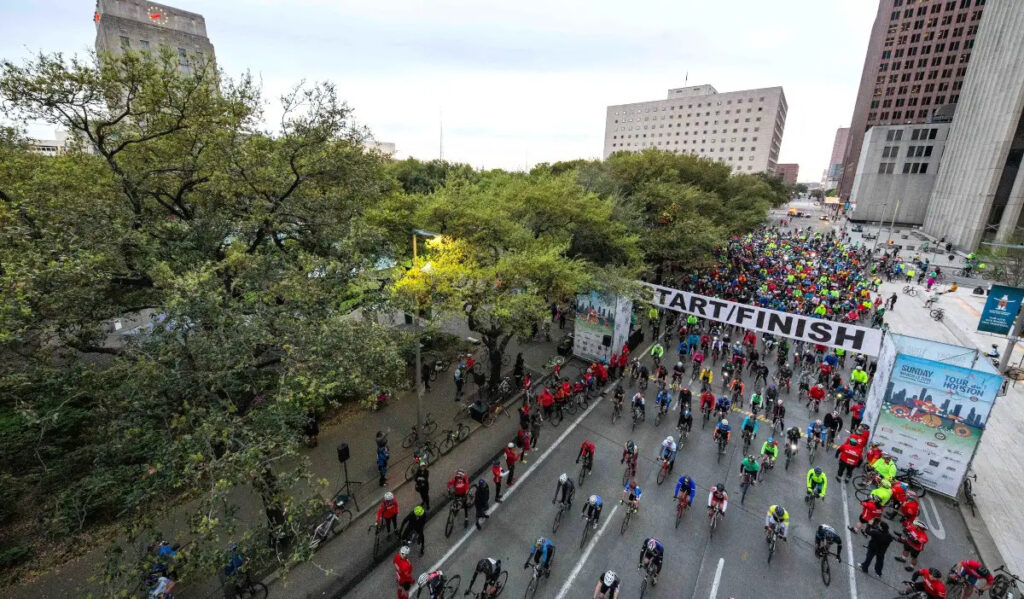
point(586, 554)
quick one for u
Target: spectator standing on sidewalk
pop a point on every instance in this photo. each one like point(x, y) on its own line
point(482, 501)
point(523, 442)
point(425, 375)
point(524, 413)
point(518, 370)
point(497, 474)
point(534, 429)
point(422, 482)
point(383, 455)
point(459, 381)
point(878, 544)
point(511, 457)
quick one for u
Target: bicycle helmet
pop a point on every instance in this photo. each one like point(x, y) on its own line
point(404, 551)
point(771, 440)
point(460, 472)
point(422, 580)
point(670, 439)
point(389, 496)
point(630, 446)
point(818, 422)
point(724, 422)
point(720, 487)
point(935, 572)
point(817, 470)
point(511, 445)
point(610, 576)
point(563, 478)
point(679, 365)
point(539, 542)
point(920, 525)
point(886, 484)
point(779, 403)
point(418, 510)
point(592, 500)
point(652, 545)
point(779, 511)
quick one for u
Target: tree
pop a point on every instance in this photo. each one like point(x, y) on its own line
point(1005, 260)
point(234, 248)
point(818, 194)
point(509, 246)
point(419, 177)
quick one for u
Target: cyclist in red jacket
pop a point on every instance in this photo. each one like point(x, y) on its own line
point(586, 449)
point(976, 574)
point(849, 458)
point(388, 511)
point(931, 583)
point(403, 572)
point(458, 486)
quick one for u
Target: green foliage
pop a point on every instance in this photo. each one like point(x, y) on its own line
point(234, 251)
point(419, 177)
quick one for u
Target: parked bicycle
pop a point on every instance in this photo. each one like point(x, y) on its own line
point(338, 518)
point(452, 437)
point(937, 314)
point(910, 290)
point(429, 426)
point(968, 489)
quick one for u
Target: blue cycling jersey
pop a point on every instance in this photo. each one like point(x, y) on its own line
point(545, 550)
point(598, 502)
point(664, 398)
point(811, 432)
point(659, 549)
point(687, 486)
point(723, 403)
point(636, 491)
point(725, 429)
point(750, 420)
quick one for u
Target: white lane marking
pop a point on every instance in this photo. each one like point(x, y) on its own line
point(586, 554)
point(849, 547)
point(455, 547)
point(718, 578)
point(935, 526)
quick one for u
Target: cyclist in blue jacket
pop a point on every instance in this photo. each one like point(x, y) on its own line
point(687, 486)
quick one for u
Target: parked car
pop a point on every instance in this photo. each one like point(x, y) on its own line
point(869, 236)
point(823, 217)
point(857, 229)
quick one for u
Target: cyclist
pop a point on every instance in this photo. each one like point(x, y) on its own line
point(885, 467)
point(977, 575)
point(592, 508)
point(657, 351)
point(698, 359)
point(459, 486)
point(685, 397)
point(669, 449)
point(833, 424)
point(750, 425)
point(737, 387)
point(434, 583)
point(491, 569)
point(750, 466)
point(860, 379)
point(654, 552)
point(567, 488)
point(688, 488)
point(718, 498)
point(883, 493)
point(779, 415)
point(631, 495)
point(722, 429)
point(816, 430)
point(707, 376)
point(619, 394)
point(388, 512)
point(817, 483)
point(771, 393)
point(778, 516)
point(403, 572)
point(630, 451)
point(824, 538)
point(160, 587)
point(816, 394)
point(785, 374)
point(707, 400)
point(756, 402)
point(771, 449)
point(874, 453)
point(607, 586)
point(849, 457)
point(639, 404)
point(722, 406)
point(542, 552)
point(685, 419)
point(931, 583)
point(870, 513)
point(586, 452)
point(677, 372)
point(914, 538)
point(793, 435)
point(663, 400)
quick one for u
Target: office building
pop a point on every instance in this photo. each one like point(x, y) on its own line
point(835, 163)
point(742, 129)
point(62, 143)
point(980, 187)
point(789, 172)
point(916, 63)
point(896, 172)
point(145, 26)
point(387, 148)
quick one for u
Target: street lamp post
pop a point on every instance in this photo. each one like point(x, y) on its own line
point(892, 224)
point(417, 333)
point(879, 232)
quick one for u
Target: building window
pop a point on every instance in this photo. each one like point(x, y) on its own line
point(126, 44)
point(886, 168)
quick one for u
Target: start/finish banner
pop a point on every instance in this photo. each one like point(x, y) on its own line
point(864, 340)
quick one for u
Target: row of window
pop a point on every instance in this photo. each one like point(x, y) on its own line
point(896, 115)
point(695, 132)
point(950, 5)
point(921, 133)
point(680, 116)
point(695, 153)
point(939, 48)
point(688, 106)
point(909, 168)
point(912, 151)
point(685, 141)
point(126, 44)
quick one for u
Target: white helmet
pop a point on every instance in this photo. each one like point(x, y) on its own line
point(725, 422)
point(564, 477)
point(422, 580)
point(609, 578)
point(592, 500)
point(670, 439)
point(404, 551)
point(389, 496)
point(511, 445)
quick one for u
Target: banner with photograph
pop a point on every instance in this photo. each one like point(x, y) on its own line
point(932, 416)
point(1001, 309)
point(596, 314)
point(850, 337)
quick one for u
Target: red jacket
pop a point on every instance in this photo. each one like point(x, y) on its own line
point(546, 399)
point(933, 586)
point(915, 538)
point(873, 454)
point(817, 392)
point(910, 509)
point(496, 473)
point(849, 454)
point(387, 509)
point(869, 511)
point(511, 457)
point(460, 484)
point(403, 570)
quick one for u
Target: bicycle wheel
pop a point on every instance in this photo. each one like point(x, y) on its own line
point(771, 548)
point(616, 412)
point(448, 443)
point(714, 524)
point(826, 571)
point(430, 426)
point(489, 417)
point(745, 485)
point(789, 458)
point(810, 506)
point(662, 473)
point(452, 586)
point(586, 532)
point(410, 471)
point(558, 519)
point(449, 524)
point(377, 532)
point(679, 513)
point(914, 487)
point(862, 494)
point(582, 476)
point(556, 418)
point(410, 440)
point(625, 520)
point(253, 590)
point(657, 418)
point(500, 583)
point(531, 588)
point(570, 407)
point(643, 586)
point(341, 521)
point(584, 402)
point(861, 482)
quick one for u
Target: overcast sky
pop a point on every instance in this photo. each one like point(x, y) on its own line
point(516, 82)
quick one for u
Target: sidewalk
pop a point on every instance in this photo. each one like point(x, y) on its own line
point(998, 529)
point(335, 561)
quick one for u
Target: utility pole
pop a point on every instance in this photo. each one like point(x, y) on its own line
point(892, 225)
point(1018, 324)
point(879, 233)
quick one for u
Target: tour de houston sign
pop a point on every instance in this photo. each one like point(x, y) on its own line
point(864, 340)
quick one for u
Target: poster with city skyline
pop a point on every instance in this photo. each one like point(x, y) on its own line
point(932, 416)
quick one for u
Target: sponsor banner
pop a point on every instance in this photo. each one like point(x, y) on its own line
point(863, 340)
point(932, 416)
point(596, 316)
point(880, 382)
point(1001, 309)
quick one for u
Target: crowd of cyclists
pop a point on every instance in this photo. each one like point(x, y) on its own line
point(720, 372)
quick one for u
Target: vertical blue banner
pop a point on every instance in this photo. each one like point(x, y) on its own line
point(1000, 309)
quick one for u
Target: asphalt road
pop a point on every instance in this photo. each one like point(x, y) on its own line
point(731, 564)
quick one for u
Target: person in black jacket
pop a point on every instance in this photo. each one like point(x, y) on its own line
point(414, 522)
point(422, 481)
point(878, 544)
point(482, 501)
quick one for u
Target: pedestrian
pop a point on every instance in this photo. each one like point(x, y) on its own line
point(481, 502)
point(511, 457)
point(561, 319)
point(425, 375)
point(459, 381)
point(613, 365)
point(497, 474)
point(414, 523)
point(422, 482)
point(481, 381)
point(519, 370)
point(878, 544)
point(892, 301)
point(534, 429)
point(523, 442)
point(383, 456)
point(524, 413)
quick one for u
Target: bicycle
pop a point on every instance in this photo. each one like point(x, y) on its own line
point(558, 516)
point(630, 471)
point(682, 504)
point(1003, 585)
point(452, 437)
point(662, 410)
point(246, 588)
point(910, 290)
point(585, 469)
point(937, 314)
point(663, 471)
point(626, 518)
point(705, 415)
point(427, 452)
point(377, 528)
point(826, 570)
point(638, 416)
point(499, 586)
point(338, 519)
point(812, 450)
point(748, 436)
point(648, 576)
point(716, 517)
point(810, 499)
point(722, 442)
point(909, 592)
point(531, 587)
point(429, 426)
point(588, 526)
point(767, 463)
point(748, 481)
point(455, 504)
point(968, 488)
point(773, 539)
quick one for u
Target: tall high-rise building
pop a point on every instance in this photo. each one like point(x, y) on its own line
point(788, 171)
point(742, 129)
point(146, 26)
point(916, 63)
point(979, 191)
point(835, 163)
